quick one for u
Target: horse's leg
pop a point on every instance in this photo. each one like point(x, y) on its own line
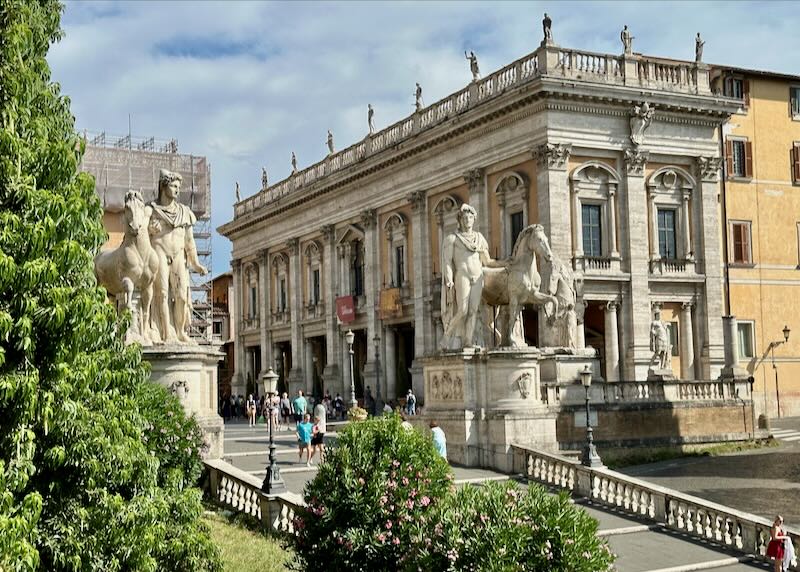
point(511, 322)
point(144, 314)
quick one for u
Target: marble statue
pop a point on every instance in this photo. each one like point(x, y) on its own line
point(132, 266)
point(641, 117)
point(698, 48)
point(371, 119)
point(547, 24)
point(627, 40)
point(172, 238)
point(660, 343)
point(330, 142)
point(264, 179)
point(294, 163)
point(238, 195)
point(565, 318)
point(473, 65)
point(464, 254)
point(418, 97)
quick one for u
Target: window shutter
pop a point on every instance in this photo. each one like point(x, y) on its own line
point(748, 159)
point(746, 92)
point(796, 162)
point(745, 243)
point(728, 159)
point(737, 242)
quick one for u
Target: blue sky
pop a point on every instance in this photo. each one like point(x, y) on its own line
point(247, 83)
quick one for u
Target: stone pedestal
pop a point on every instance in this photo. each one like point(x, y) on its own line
point(660, 375)
point(190, 372)
point(485, 400)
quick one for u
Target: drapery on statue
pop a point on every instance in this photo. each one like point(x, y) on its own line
point(473, 65)
point(371, 119)
point(418, 97)
point(173, 240)
point(518, 282)
point(464, 254)
point(133, 265)
point(698, 48)
point(660, 343)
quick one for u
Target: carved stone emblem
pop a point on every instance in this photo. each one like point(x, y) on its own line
point(445, 387)
point(635, 161)
point(553, 155)
point(524, 383)
point(708, 168)
point(641, 117)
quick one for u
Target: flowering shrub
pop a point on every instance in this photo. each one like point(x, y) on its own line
point(502, 527)
point(357, 414)
point(372, 502)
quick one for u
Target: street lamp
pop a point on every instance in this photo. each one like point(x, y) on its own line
point(772, 346)
point(273, 483)
point(378, 402)
point(751, 380)
point(590, 457)
point(350, 337)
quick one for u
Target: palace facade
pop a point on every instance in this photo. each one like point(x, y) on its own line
point(619, 157)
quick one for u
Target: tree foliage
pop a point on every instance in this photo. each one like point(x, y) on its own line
point(80, 488)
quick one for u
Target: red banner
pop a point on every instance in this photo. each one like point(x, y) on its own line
point(345, 309)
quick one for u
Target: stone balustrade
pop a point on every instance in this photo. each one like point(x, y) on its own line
point(671, 509)
point(652, 73)
point(240, 491)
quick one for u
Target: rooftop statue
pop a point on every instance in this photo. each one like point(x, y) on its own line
point(329, 141)
point(294, 163)
point(418, 97)
point(238, 195)
point(698, 48)
point(264, 178)
point(473, 65)
point(627, 40)
point(547, 24)
point(371, 118)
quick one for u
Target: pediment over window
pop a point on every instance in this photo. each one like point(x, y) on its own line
point(670, 179)
point(594, 173)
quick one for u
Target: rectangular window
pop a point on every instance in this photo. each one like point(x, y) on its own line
point(216, 328)
point(357, 269)
point(746, 339)
point(666, 234)
point(315, 286)
point(592, 232)
point(734, 87)
point(253, 302)
point(794, 100)
point(399, 265)
point(282, 295)
point(740, 242)
point(672, 328)
point(739, 158)
point(516, 226)
point(795, 159)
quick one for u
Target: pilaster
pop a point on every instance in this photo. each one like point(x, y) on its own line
point(369, 220)
point(264, 306)
point(476, 181)
point(423, 325)
point(332, 375)
point(687, 342)
point(611, 341)
point(295, 378)
point(236, 310)
point(553, 196)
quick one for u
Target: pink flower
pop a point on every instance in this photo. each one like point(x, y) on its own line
point(452, 555)
point(425, 501)
point(388, 524)
point(391, 484)
point(395, 540)
point(382, 537)
point(405, 481)
point(395, 463)
point(384, 500)
point(413, 493)
point(360, 481)
point(409, 504)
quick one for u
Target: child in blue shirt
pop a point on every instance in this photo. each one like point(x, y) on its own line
point(304, 430)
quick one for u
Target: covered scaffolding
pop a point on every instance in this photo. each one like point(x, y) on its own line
point(122, 163)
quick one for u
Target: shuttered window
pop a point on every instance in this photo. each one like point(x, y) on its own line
point(739, 158)
point(795, 159)
point(740, 242)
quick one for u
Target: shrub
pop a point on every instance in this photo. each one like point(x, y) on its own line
point(500, 526)
point(372, 501)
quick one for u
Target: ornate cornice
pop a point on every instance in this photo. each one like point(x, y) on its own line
point(708, 168)
point(635, 161)
point(553, 155)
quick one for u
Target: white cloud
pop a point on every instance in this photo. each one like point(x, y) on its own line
point(246, 83)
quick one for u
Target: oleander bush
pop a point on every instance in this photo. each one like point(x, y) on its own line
point(85, 482)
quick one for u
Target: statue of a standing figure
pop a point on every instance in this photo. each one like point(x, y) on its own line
point(464, 254)
point(660, 343)
point(371, 119)
point(172, 238)
point(698, 48)
point(627, 40)
point(330, 142)
point(547, 24)
point(264, 178)
point(418, 97)
point(473, 65)
point(294, 163)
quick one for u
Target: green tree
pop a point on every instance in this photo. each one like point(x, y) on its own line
point(80, 488)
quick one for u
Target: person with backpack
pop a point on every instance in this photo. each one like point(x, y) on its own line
point(338, 406)
point(411, 403)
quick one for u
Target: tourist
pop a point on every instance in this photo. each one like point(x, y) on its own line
point(286, 408)
point(411, 403)
point(439, 440)
point(369, 402)
point(226, 408)
point(299, 406)
point(240, 407)
point(318, 434)
point(304, 429)
point(388, 407)
point(338, 406)
point(777, 546)
point(405, 424)
point(328, 402)
point(273, 406)
point(252, 407)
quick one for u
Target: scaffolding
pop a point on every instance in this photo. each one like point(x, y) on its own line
point(122, 163)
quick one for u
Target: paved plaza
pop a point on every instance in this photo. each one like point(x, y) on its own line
point(762, 482)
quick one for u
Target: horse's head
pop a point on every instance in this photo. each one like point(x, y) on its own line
point(539, 242)
point(135, 214)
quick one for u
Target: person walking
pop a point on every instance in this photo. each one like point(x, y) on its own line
point(317, 437)
point(299, 406)
point(286, 408)
point(338, 406)
point(252, 407)
point(776, 547)
point(439, 439)
point(369, 402)
point(411, 403)
point(304, 429)
point(272, 404)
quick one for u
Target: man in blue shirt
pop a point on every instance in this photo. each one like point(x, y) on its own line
point(439, 440)
point(304, 429)
point(299, 406)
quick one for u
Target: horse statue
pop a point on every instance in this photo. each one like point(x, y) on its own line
point(519, 283)
point(132, 265)
point(564, 321)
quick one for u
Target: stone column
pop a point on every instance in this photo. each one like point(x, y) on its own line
point(237, 326)
point(369, 219)
point(612, 341)
point(577, 223)
point(687, 342)
point(708, 249)
point(390, 372)
point(264, 306)
point(423, 326)
point(613, 250)
point(476, 180)
point(686, 227)
point(333, 369)
point(308, 364)
point(637, 305)
point(553, 196)
point(295, 377)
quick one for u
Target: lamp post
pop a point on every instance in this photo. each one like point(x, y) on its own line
point(378, 402)
point(772, 346)
point(751, 380)
point(590, 457)
point(350, 337)
point(273, 483)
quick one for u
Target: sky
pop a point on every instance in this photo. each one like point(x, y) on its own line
point(247, 83)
